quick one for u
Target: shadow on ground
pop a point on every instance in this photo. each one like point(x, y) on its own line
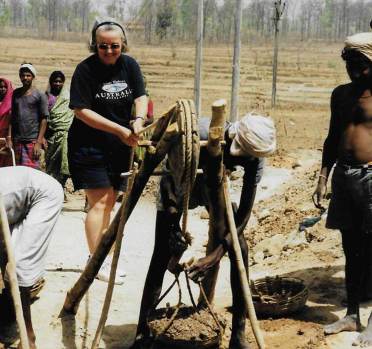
point(119, 337)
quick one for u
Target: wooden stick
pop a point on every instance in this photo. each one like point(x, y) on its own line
point(213, 177)
point(155, 123)
point(114, 264)
point(13, 281)
point(149, 127)
point(147, 143)
point(241, 268)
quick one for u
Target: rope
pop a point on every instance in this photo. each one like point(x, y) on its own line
point(190, 292)
point(173, 317)
point(177, 307)
point(186, 108)
point(165, 293)
point(209, 306)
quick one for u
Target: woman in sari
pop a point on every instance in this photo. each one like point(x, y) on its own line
point(6, 92)
point(59, 122)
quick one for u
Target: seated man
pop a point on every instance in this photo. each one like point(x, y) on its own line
point(167, 229)
point(33, 201)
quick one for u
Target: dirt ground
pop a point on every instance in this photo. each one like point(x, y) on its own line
point(307, 74)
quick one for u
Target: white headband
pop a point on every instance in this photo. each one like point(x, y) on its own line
point(361, 42)
point(30, 67)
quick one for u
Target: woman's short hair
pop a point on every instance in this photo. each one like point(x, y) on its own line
point(104, 27)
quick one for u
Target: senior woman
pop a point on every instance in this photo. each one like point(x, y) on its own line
point(104, 88)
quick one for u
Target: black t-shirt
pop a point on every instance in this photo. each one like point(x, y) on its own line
point(109, 91)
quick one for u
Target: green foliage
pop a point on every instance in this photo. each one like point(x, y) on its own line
point(5, 15)
point(326, 17)
point(164, 18)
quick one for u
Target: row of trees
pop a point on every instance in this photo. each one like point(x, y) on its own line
point(176, 19)
point(47, 16)
point(304, 19)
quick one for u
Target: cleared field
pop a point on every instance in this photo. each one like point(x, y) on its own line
point(307, 74)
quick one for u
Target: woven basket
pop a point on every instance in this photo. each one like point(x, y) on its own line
point(278, 296)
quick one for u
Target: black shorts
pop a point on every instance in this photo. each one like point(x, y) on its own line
point(93, 168)
point(351, 202)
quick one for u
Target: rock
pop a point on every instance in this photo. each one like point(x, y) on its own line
point(271, 246)
point(263, 215)
point(271, 260)
point(259, 257)
point(288, 210)
point(297, 164)
point(253, 221)
point(313, 233)
point(295, 239)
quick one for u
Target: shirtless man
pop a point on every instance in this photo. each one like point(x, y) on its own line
point(32, 201)
point(349, 145)
point(167, 228)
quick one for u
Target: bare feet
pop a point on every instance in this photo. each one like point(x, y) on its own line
point(349, 323)
point(365, 338)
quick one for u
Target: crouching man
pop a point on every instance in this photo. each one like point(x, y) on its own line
point(33, 201)
point(207, 192)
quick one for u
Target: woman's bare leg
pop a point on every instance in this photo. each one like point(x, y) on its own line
point(101, 202)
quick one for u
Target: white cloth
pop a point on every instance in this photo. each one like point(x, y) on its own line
point(30, 67)
point(33, 201)
point(253, 135)
point(361, 42)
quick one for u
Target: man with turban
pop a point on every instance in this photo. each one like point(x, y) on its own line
point(238, 151)
point(349, 146)
point(28, 121)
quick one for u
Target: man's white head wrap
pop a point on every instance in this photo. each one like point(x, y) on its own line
point(361, 42)
point(29, 67)
point(253, 135)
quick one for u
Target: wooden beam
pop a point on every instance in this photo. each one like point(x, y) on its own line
point(12, 275)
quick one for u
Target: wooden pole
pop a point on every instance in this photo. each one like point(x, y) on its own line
point(213, 184)
point(240, 264)
point(278, 11)
point(115, 259)
point(13, 281)
point(236, 63)
point(198, 58)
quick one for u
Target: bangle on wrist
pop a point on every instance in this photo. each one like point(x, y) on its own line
point(323, 176)
point(140, 117)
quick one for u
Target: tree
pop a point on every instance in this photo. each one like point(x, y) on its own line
point(164, 18)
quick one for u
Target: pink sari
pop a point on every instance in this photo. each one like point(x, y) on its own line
point(5, 114)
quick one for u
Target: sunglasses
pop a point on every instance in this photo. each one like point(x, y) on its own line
point(107, 46)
